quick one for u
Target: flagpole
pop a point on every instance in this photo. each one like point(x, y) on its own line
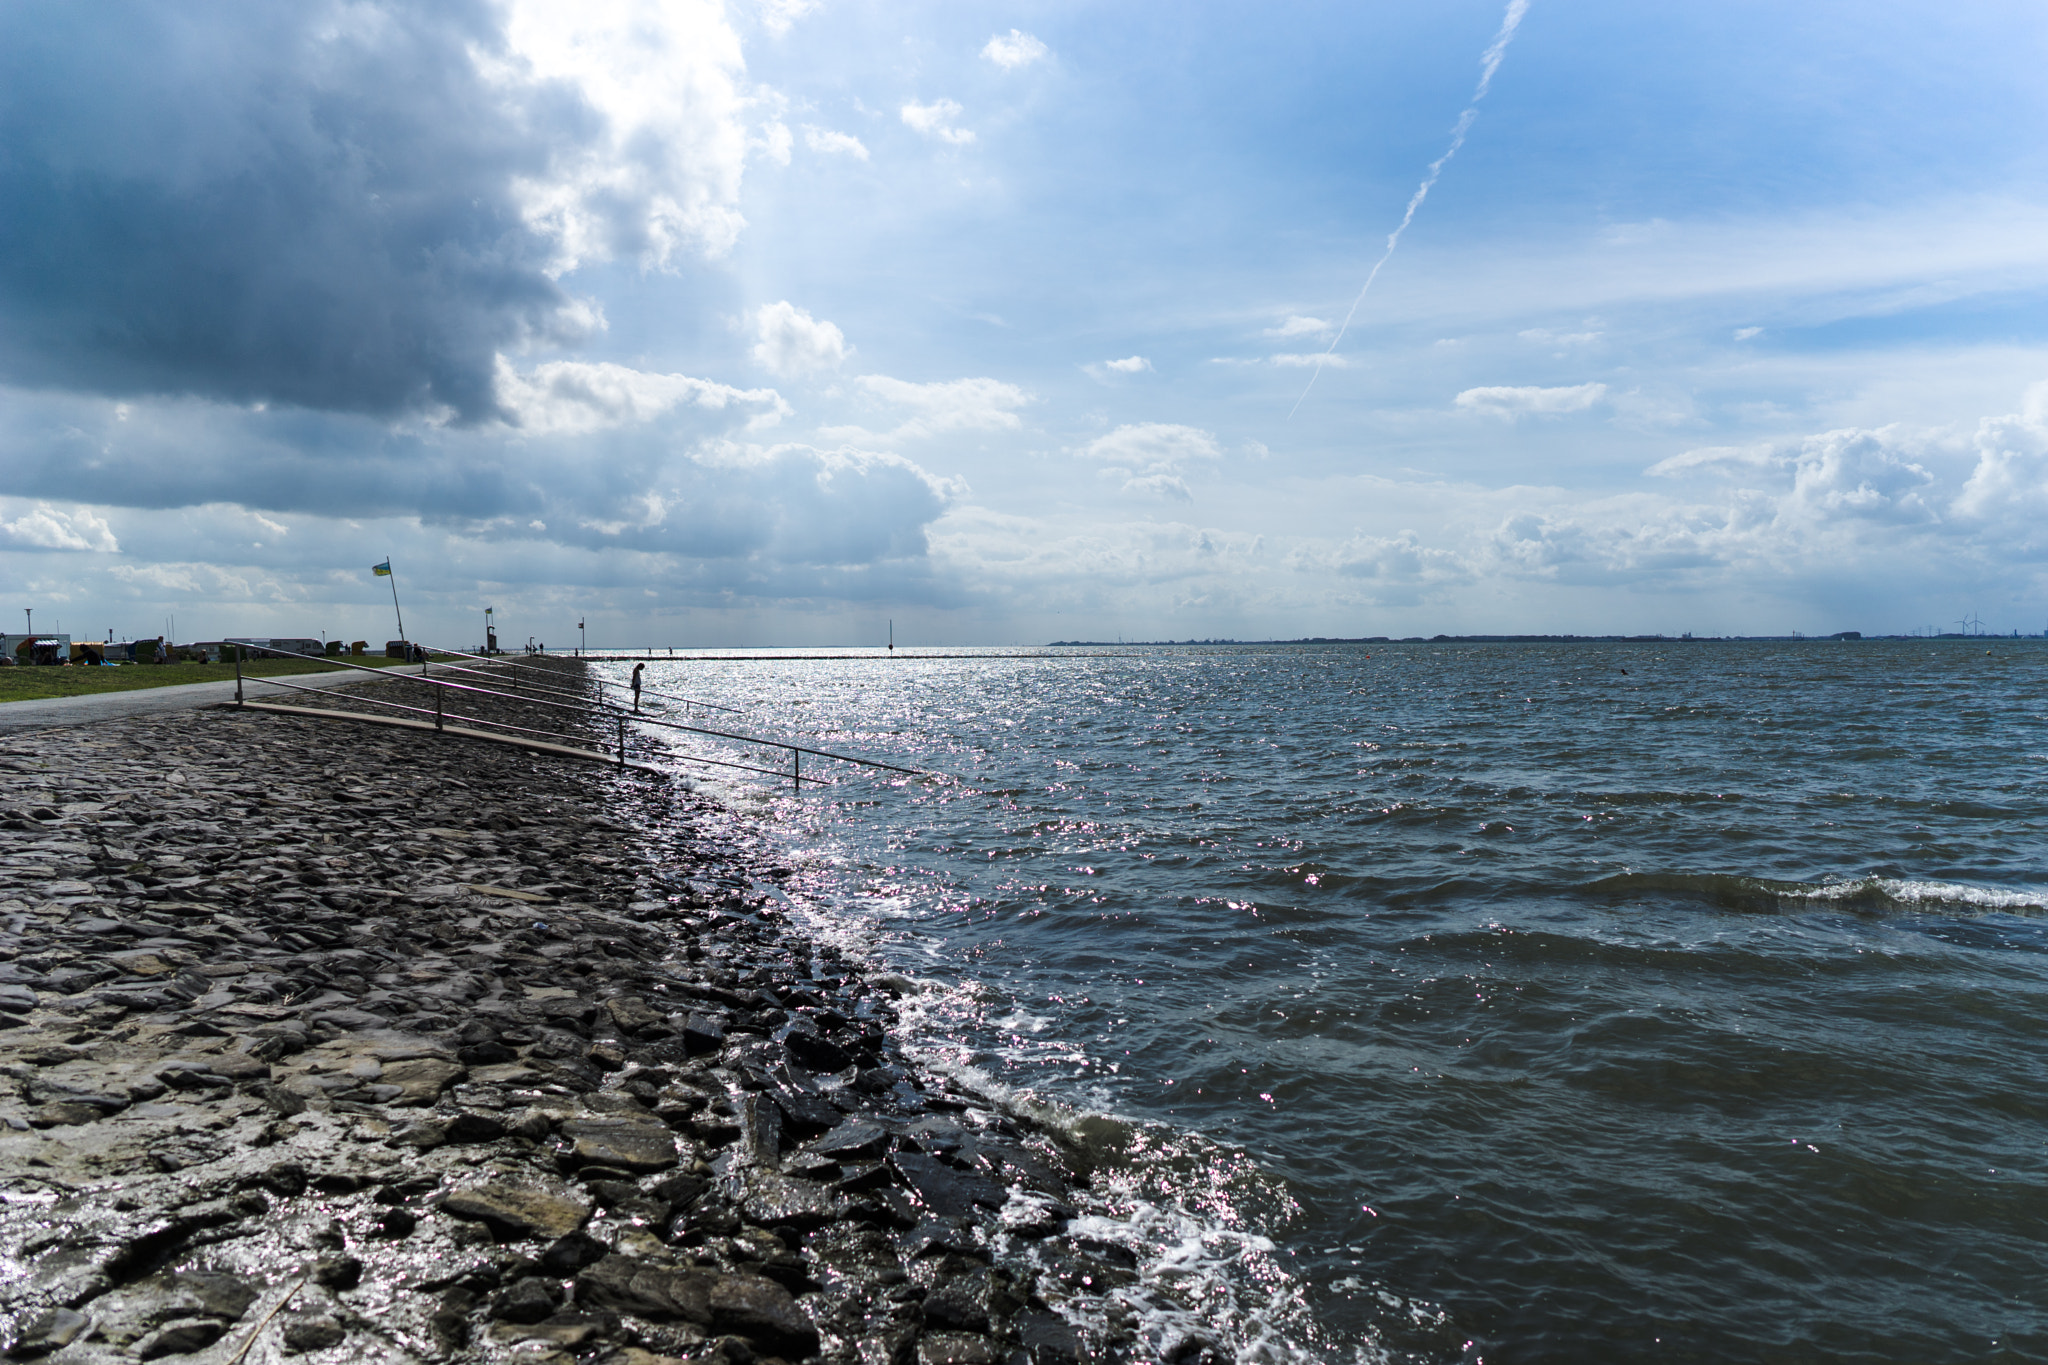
point(393, 576)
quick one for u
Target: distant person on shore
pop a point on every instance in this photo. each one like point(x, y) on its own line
point(637, 670)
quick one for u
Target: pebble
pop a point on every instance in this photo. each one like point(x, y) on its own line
point(382, 1019)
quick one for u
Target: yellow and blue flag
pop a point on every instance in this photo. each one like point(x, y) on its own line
point(382, 570)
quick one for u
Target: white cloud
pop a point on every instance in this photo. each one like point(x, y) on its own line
point(790, 341)
point(570, 396)
point(980, 404)
point(667, 81)
point(829, 142)
point(1746, 333)
point(778, 15)
point(1322, 360)
point(1135, 364)
point(1509, 401)
point(1158, 447)
point(45, 527)
point(774, 142)
point(1716, 460)
point(1550, 338)
point(936, 120)
point(1168, 487)
point(1298, 326)
point(1014, 49)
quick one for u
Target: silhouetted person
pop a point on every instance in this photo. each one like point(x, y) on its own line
point(637, 669)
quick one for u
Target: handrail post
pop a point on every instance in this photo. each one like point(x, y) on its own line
point(796, 757)
point(622, 741)
point(439, 693)
point(238, 673)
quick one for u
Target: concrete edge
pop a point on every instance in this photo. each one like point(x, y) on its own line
point(460, 731)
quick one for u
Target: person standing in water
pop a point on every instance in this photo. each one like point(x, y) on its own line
point(636, 685)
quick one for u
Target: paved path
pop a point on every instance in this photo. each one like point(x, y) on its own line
point(142, 701)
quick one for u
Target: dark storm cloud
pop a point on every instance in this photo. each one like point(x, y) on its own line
point(300, 203)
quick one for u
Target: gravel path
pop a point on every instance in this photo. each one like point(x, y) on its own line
point(50, 712)
point(335, 1042)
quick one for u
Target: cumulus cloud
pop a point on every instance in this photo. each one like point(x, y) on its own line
point(1151, 457)
point(1503, 400)
point(349, 205)
point(568, 396)
point(1298, 326)
point(1128, 365)
point(1014, 49)
point(936, 120)
point(829, 142)
point(44, 527)
point(789, 341)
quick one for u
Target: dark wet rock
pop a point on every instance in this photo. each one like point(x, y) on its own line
point(945, 1191)
point(527, 1300)
point(628, 1144)
point(851, 1140)
point(313, 1333)
point(47, 1331)
point(647, 1291)
point(567, 1255)
point(756, 1307)
point(337, 1272)
point(132, 1314)
point(1049, 1338)
point(179, 1337)
point(773, 1200)
point(397, 1223)
point(703, 1033)
point(512, 1211)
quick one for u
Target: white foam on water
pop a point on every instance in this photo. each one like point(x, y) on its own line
point(1926, 894)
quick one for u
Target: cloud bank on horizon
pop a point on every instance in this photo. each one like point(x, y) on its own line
point(764, 322)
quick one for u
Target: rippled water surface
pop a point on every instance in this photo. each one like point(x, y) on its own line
point(1580, 1003)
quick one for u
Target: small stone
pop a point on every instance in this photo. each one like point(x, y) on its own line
point(703, 1033)
point(625, 1285)
point(854, 1139)
point(17, 999)
point(473, 1127)
point(572, 1253)
point(338, 1272)
point(526, 1301)
point(756, 1307)
point(312, 1334)
point(397, 1223)
point(633, 1014)
point(62, 1114)
point(606, 1056)
point(421, 1080)
point(181, 1337)
point(48, 1331)
point(517, 1211)
point(624, 1143)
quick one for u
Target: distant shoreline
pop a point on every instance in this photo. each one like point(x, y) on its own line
point(1840, 637)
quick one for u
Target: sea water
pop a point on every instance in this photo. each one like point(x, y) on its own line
point(1663, 1001)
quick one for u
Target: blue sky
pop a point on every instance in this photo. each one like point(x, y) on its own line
point(767, 323)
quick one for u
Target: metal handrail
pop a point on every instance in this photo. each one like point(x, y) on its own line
point(601, 682)
point(601, 706)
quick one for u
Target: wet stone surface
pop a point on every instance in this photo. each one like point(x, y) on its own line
point(333, 1043)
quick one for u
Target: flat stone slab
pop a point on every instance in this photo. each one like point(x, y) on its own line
point(511, 1211)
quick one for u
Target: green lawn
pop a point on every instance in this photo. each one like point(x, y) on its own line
point(29, 684)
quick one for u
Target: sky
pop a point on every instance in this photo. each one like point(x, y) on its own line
point(775, 322)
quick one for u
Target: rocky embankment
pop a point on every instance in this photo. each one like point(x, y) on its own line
point(341, 1043)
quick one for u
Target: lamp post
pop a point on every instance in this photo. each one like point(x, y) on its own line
point(490, 631)
point(584, 647)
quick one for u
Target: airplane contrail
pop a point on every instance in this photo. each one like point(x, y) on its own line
point(1489, 62)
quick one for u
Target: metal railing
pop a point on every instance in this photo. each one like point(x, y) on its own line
point(598, 709)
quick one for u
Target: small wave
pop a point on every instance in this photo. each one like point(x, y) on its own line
point(1864, 895)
